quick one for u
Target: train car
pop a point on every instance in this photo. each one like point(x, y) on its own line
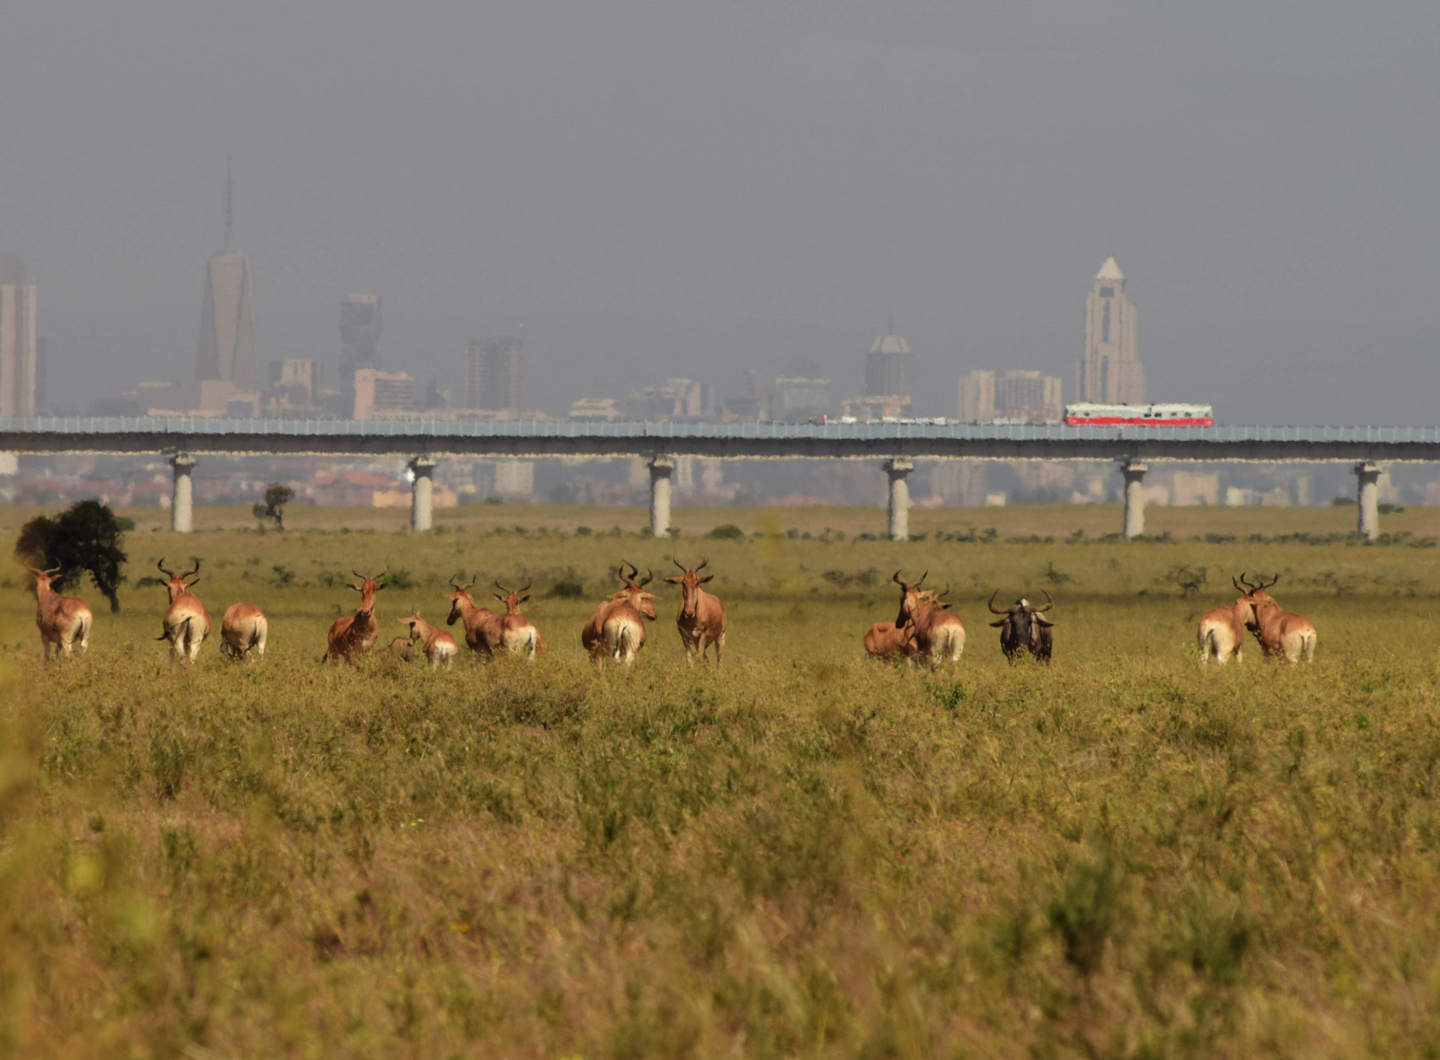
point(1086, 414)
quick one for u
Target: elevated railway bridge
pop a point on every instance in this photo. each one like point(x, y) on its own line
point(895, 445)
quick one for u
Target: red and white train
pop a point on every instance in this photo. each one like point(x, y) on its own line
point(1086, 414)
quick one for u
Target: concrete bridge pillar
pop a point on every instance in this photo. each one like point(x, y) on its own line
point(182, 511)
point(661, 468)
point(1134, 472)
point(1367, 476)
point(898, 469)
point(423, 467)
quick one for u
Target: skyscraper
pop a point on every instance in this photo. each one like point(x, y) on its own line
point(494, 372)
point(17, 349)
point(1110, 371)
point(889, 368)
point(359, 335)
point(227, 324)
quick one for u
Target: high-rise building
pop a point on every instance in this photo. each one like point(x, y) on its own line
point(17, 349)
point(494, 372)
point(1110, 371)
point(227, 324)
point(381, 393)
point(1025, 394)
point(890, 368)
point(977, 396)
point(359, 335)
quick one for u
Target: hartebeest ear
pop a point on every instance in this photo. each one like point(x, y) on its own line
point(524, 598)
point(674, 581)
point(498, 597)
point(190, 585)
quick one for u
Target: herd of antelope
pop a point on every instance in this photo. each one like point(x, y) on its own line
point(925, 630)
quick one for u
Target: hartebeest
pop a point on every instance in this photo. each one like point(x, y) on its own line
point(1024, 628)
point(885, 640)
point(63, 620)
point(483, 629)
point(939, 633)
point(1280, 632)
point(243, 629)
point(1222, 630)
point(518, 634)
point(354, 635)
point(186, 622)
point(617, 628)
point(701, 618)
point(438, 646)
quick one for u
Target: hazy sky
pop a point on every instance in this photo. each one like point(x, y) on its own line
point(657, 189)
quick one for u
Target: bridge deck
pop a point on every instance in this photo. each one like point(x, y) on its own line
point(528, 438)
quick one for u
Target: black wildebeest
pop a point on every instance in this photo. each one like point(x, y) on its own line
point(1024, 627)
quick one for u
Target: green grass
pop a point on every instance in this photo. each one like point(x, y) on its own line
point(800, 855)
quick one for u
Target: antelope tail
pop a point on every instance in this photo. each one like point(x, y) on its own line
point(624, 643)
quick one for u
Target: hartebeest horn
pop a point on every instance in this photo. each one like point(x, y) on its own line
point(1246, 582)
point(678, 563)
point(161, 564)
point(704, 562)
point(1238, 587)
point(500, 587)
point(649, 577)
point(922, 579)
point(896, 579)
point(462, 588)
point(1048, 606)
point(1266, 585)
point(993, 609)
point(193, 570)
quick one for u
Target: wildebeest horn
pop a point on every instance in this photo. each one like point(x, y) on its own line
point(1048, 606)
point(161, 564)
point(993, 609)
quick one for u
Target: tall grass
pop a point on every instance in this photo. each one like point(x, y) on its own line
point(800, 854)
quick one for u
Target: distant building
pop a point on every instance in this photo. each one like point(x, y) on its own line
point(200, 397)
point(378, 394)
point(1023, 394)
point(18, 349)
point(890, 368)
point(494, 373)
point(360, 329)
point(674, 399)
point(748, 403)
point(801, 393)
point(294, 387)
point(504, 478)
point(977, 397)
point(227, 324)
point(605, 410)
point(42, 374)
point(1110, 371)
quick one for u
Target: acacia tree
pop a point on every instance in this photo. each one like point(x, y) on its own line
point(277, 496)
point(84, 537)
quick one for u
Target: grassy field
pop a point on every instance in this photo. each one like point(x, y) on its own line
point(800, 855)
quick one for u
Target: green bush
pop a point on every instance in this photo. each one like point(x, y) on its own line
point(725, 532)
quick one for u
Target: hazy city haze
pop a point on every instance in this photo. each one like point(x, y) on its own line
point(646, 190)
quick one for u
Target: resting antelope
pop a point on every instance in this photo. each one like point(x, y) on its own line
point(438, 646)
point(1023, 628)
point(186, 622)
point(617, 627)
point(885, 640)
point(483, 632)
point(701, 618)
point(354, 635)
point(518, 634)
point(939, 633)
point(243, 629)
point(63, 620)
point(1280, 632)
point(1222, 630)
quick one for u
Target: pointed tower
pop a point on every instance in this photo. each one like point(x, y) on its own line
point(227, 323)
point(1110, 372)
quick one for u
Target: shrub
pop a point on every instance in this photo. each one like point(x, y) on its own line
point(84, 537)
point(725, 532)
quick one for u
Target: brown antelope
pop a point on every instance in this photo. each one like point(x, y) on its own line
point(885, 640)
point(483, 629)
point(518, 634)
point(701, 618)
point(354, 635)
point(403, 647)
point(243, 630)
point(63, 620)
point(186, 622)
point(1222, 630)
point(1280, 632)
point(438, 646)
point(939, 633)
point(1023, 628)
point(617, 627)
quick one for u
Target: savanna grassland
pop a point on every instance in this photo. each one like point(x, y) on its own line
point(802, 854)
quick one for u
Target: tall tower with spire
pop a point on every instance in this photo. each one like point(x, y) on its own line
point(1109, 371)
point(227, 323)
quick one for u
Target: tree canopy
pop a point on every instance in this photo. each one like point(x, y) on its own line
point(277, 495)
point(87, 536)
